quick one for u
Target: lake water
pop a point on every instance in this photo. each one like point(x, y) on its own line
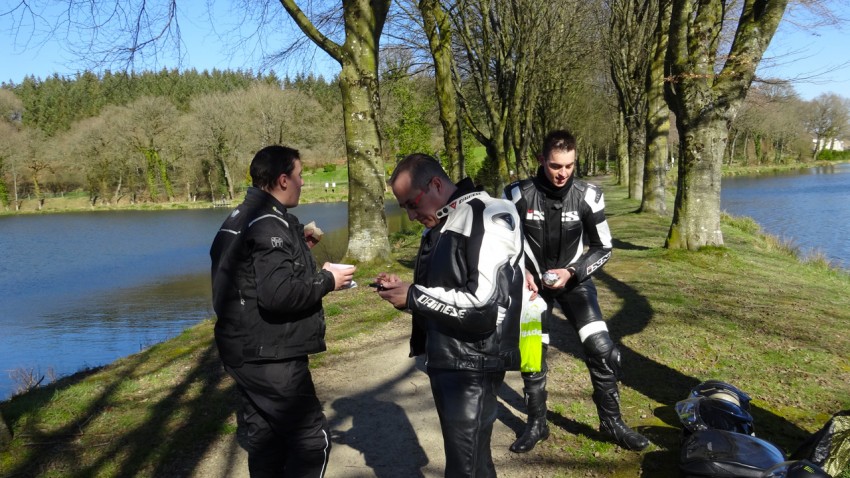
point(809, 208)
point(81, 290)
point(84, 289)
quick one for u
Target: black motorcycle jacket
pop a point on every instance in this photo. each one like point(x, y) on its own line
point(467, 292)
point(267, 291)
point(559, 224)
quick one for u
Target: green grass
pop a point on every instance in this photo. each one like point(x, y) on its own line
point(313, 191)
point(750, 313)
point(741, 170)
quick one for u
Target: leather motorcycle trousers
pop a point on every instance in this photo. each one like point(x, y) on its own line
point(466, 404)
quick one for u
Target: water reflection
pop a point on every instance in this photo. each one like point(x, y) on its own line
point(809, 208)
point(84, 289)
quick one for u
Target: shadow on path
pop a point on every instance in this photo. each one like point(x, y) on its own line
point(379, 429)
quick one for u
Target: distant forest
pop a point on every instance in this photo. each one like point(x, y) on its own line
point(183, 136)
point(186, 135)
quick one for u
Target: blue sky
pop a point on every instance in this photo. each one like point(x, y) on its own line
point(820, 54)
point(25, 53)
point(794, 53)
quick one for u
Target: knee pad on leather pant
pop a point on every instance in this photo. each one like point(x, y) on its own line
point(603, 357)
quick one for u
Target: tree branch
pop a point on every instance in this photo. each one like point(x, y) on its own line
point(329, 46)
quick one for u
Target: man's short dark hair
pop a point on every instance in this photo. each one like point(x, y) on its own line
point(270, 162)
point(558, 140)
point(422, 169)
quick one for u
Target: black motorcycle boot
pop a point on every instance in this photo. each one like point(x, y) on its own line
point(611, 423)
point(537, 429)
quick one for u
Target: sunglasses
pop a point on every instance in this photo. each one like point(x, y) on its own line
point(414, 203)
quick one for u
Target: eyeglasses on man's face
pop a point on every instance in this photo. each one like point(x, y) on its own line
point(413, 204)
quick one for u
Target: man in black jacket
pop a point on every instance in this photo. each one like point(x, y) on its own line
point(561, 216)
point(267, 294)
point(465, 300)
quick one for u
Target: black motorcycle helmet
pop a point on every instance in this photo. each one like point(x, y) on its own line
point(722, 391)
point(716, 405)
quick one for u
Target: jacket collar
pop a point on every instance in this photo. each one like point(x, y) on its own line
point(466, 191)
point(261, 198)
point(549, 189)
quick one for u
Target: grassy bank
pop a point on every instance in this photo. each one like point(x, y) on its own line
point(749, 313)
point(314, 190)
point(757, 169)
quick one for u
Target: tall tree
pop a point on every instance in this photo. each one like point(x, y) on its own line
point(217, 134)
point(705, 90)
point(152, 120)
point(358, 81)
point(437, 26)
point(11, 110)
point(504, 50)
point(97, 147)
point(38, 163)
point(491, 37)
point(826, 117)
point(630, 45)
point(657, 119)
point(123, 34)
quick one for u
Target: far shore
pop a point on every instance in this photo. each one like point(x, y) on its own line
point(79, 201)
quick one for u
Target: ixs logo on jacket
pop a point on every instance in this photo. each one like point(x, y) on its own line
point(532, 215)
point(569, 216)
point(566, 216)
point(596, 265)
point(277, 242)
point(441, 307)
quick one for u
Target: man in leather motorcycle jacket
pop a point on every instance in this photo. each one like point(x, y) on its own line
point(567, 240)
point(267, 295)
point(465, 300)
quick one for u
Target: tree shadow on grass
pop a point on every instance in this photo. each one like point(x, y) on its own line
point(628, 246)
point(653, 379)
point(666, 385)
point(169, 438)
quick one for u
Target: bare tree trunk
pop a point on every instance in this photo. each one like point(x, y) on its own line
point(631, 28)
point(734, 144)
point(438, 29)
point(622, 153)
point(704, 99)
point(15, 187)
point(225, 172)
point(637, 152)
point(696, 214)
point(657, 122)
point(117, 196)
point(364, 21)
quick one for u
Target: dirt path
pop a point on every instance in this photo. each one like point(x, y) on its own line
point(382, 419)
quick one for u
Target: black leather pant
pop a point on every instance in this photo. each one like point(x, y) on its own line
point(466, 403)
point(581, 307)
point(280, 420)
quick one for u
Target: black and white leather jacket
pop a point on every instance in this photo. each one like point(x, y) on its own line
point(468, 279)
point(563, 228)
